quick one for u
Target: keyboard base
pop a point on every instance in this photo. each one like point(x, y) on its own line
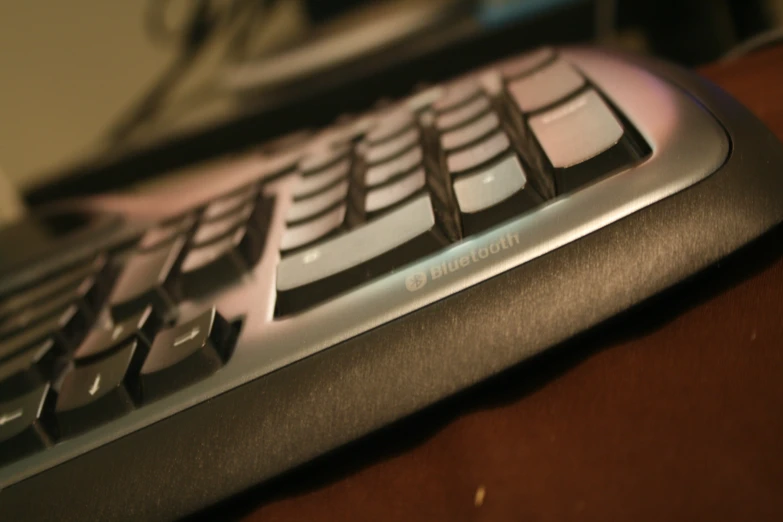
point(324, 401)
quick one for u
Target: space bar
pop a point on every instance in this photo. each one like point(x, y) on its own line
point(337, 265)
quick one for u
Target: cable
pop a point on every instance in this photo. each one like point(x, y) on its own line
point(155, 23)
point(202, 21)
point(247, 22)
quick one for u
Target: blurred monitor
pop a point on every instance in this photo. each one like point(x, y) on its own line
point(343, 57)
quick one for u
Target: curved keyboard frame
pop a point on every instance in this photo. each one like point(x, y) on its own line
point(687, 143)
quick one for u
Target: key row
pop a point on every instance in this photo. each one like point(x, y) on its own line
point(172, 260)
point(385, 169)
point(191, 256)
point(534, 84)
point(117, 368)
point(55, 312)
point(488, 167)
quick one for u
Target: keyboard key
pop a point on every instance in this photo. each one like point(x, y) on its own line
point(390, 126)
point(16, 343)
point(491, 83)
point(478, 154)
point(36, 313)
point(335, 266)
point(545, 87)
point(22, 425)
point(489, 186)
point(457, 117)
point(146, 280)
point(322, 158)
point(309, 207)
point(66, 282)
point(286, 142)
point(261, 218)
point(214, 265)
point(385, 171)
point(469, 133)
point(94, 289)
point(392, 147)
point(230, 203)
point(209, 231)
point(98, 392)
point(31, 366)
point(87, 295)
point(522, 65)
point(65, 329)
point(386, 196)
point(102, 339)
point(311, 184)
point(346, 133)
point(424, 99)
point(577, 130)
point(457, 94)
point(185, 354)
point(493, 195)
point(166, 232)
point(299, 235)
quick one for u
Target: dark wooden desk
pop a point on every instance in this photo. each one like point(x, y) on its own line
point(673, 412)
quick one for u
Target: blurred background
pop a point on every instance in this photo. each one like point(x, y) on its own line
point(143, 79)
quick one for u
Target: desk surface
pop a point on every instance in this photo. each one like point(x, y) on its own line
point(671, 412)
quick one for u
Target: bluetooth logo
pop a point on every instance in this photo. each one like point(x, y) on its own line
point(415, 281)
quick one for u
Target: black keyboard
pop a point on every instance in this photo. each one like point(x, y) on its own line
point(280, 304)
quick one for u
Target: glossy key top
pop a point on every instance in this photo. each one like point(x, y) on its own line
point(546, 86)
point(456, 95)
point(229, 203)
point(301, 234)
point(166, 232)
point(424, 99)
point(32, 315)
point(470, 132)
point(22, 424)
point(577, 130)
point(65, 283)
point(494, 194)
point(319, 159)
point(98, 392)
point(145, 280)
point(35, 364)
point(390, 125)
point(65, 329)
point(86, 296)
point(185, 354)
point(311, 184)
point(337, 265)
point(392, 147)
point(456, 117)
point(104, 338)
point(385, 196)
point(526, 63)
point(213, 265)
point(209, 231)
point(383, 172)
point(224, 249)
point(478, 153)
point(309, 207)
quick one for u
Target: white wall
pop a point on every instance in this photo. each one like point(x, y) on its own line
point(67, 69)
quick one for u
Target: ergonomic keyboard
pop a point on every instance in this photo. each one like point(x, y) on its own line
point(207, 335)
